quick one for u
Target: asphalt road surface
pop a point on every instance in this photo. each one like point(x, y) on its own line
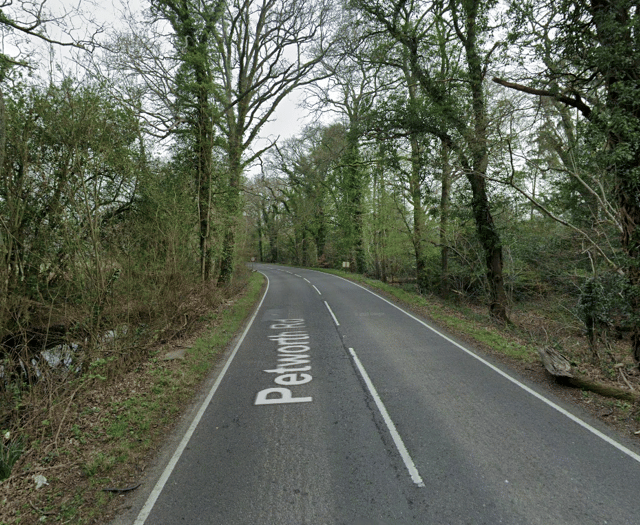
point(339, 408)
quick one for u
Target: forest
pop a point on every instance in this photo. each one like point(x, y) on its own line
point(484, 152)
point(481, 150)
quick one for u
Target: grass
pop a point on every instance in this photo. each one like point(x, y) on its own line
point(10, 452)
point(114, 425)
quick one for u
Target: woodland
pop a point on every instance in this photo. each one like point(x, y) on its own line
point(480, 151)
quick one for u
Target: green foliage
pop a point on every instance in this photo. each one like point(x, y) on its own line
point(96, 242)
point(10, 451)
point(603, 305)
point(70, 158)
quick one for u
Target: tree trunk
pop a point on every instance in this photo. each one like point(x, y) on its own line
point(321, 235)
point(355, 188)
point(628, 190)
point(613, 26)
point(204, 147)
point(232, 207)
point(487, 232)
point(490, 241)
point(260, 234)
point(444, 220)
point(415, 188)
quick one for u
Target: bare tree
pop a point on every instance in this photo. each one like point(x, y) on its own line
point(265, 50)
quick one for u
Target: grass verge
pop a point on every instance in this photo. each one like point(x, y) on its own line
point(104, 430)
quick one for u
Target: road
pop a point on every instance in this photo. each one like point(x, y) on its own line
point(339, 408)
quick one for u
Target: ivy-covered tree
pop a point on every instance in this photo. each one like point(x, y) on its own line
point(593, 65)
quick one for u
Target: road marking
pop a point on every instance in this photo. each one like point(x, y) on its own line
point(307, 280)
point(155, 493)
point(524, 387)
point(314, 287)
point(335, 320)
point(291, 364)
point(297, 275)
point(408, 462)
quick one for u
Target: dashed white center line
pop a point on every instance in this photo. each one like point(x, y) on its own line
point(297, 275)
point(314, 287)
point(335, 320)
point(307, 280)
point(411, 467)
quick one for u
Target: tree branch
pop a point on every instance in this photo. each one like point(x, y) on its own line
point(573, 102)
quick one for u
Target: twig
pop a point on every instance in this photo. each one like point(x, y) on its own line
point(120, 491)
point(30, 472)
point(66, 410)
point(42, 512)
point(624, 378)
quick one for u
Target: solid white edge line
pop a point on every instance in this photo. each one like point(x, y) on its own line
point(155, 493)
point(408, 462)
point(535, 394)
point(314, 287)
point(335, 319)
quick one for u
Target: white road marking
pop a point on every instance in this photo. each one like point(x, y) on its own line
point(524, 387)
point(335, 320)
point(307, 280)
point(408, 462)
point(290, 363)
point(297, 275)
point(155, 493)
point(314, 287)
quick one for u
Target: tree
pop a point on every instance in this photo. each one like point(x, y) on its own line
point(232, 64)
point(594, 69)
point(194, 25)
point(32, 20)
point(303, 191)
point(72, 160)
point(265, 50)
point(409, 24)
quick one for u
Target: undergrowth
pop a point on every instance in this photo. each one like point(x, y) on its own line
point(98, 430)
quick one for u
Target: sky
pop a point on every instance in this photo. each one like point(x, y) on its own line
point(288, 120)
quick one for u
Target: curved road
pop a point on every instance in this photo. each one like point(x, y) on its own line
point(337, 407)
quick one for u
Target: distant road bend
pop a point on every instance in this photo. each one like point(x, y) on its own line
point(337, 407)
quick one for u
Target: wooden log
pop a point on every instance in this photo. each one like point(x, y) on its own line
point(555, 363)
point(560, 368)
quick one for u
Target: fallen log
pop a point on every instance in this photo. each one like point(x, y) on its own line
point(560, 368)
point(555, 363)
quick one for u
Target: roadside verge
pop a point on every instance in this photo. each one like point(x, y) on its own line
point(92, 462)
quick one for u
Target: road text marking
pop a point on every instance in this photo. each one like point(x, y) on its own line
point(408, 462)
point(291, 344)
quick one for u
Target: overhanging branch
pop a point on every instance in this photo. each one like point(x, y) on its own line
point(573, 102)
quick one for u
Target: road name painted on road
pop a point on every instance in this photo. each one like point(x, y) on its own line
point(293, 363)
